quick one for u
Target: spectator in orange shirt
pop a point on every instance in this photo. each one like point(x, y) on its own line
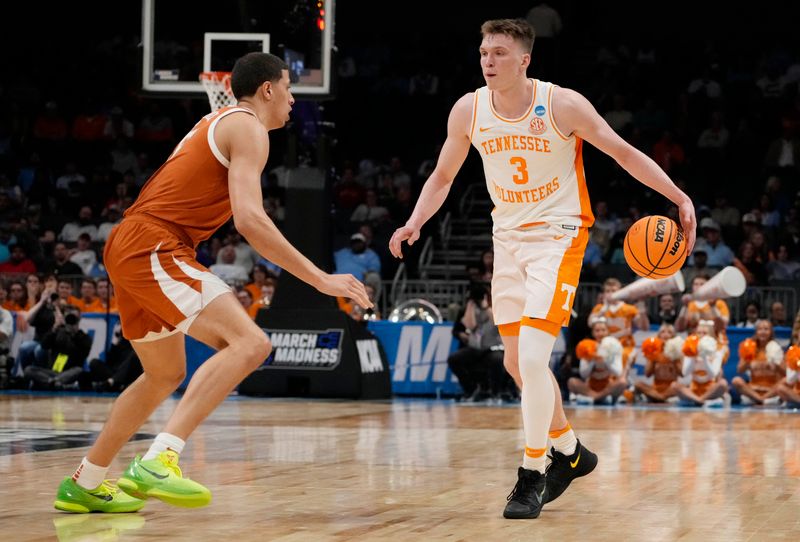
point(65, 296)
point(17, 300)
point(105, 294)
point(89, 302)
point(246, 299)
point(261, 278)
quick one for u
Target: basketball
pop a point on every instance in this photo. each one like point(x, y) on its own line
point(655, 247)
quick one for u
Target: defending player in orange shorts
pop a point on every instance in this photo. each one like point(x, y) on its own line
point(162, 292)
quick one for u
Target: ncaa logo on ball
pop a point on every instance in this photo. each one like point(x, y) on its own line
point(537, 126)
point(661, 228)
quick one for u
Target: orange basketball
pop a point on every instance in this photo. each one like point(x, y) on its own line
point(655, 247)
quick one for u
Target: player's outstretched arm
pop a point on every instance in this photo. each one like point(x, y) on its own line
point(248, 147)
point(574, 114)
point(454, 152)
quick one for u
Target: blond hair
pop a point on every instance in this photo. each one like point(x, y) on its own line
point(517, 29)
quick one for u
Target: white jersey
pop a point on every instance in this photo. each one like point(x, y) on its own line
point(534, 173)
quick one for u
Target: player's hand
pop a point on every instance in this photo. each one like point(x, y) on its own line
point(688, 223)
point(346, 286)
point(405, 233)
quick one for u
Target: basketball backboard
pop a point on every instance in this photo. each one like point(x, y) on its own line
point(181, 39)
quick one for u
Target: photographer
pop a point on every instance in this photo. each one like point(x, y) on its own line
point(118, 371)
point(478, 365)
point(65, 349)
point(42, 316)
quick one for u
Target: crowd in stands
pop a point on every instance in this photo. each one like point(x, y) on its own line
point(726, 127)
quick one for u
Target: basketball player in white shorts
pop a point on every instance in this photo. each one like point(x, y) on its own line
point(529, 134)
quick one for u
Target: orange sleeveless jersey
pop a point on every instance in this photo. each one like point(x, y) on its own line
point(763, 373)
point(618, 319)
point(190, 190)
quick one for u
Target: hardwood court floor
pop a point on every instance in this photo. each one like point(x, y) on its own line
point(294, 470)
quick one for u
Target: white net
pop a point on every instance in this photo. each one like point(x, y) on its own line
point(218, 88)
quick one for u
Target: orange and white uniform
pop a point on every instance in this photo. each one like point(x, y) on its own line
point(150, 256)
point(763, 372)
point(664, 373)
point(698, 310)
point(703, 369)
point(599, 375)
point(792, 358)
point(619, 319)
point(534, 175)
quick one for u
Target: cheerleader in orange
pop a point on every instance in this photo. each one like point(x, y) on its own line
point(761, 358)
point(600, 367)
point(789, 387)
point(702, 365)
point(620, 318)
point(664, 365)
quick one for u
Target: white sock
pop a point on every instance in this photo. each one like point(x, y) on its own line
point(564, 440)
point(163, 442)
point(538, 396)
point(89, 475)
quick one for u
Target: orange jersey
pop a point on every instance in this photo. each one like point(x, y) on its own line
point(665, 372)
point(619, 318)
point(763, 373)
point(700, 310)
point(793, 367)
point(95, 305)
point(255, 292)
point(190, 191)
point(13, 306)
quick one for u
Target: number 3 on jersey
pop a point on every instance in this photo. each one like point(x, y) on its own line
point(522, 169)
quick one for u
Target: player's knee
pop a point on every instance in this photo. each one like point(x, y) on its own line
point(511, 363)
point(169, 376)
point(738, 382)
point(257, 349)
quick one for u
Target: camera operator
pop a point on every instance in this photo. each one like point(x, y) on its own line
point(479, 364)
point(42, 316)
point(119, 370)
point(65, 350)
point(6, 334)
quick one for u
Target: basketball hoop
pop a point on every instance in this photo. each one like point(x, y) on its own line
point(218, 88)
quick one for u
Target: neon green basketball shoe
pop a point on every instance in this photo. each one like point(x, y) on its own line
point(161, 478)
point(106, 498)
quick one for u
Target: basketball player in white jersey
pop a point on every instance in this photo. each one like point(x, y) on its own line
point(529, 134)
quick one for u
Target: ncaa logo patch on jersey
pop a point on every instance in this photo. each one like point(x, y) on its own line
point(539, 110)
point(537, 126)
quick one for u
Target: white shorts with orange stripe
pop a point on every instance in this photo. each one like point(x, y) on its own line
point(159, 285)
point(535, 277)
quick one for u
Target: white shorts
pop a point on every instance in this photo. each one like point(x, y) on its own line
point(535, 277)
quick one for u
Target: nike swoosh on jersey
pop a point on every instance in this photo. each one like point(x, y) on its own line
point(159, 476)
point(559, 237)
point(482, 129)
point(573, 465)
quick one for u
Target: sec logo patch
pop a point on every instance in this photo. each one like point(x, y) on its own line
point(537, 126)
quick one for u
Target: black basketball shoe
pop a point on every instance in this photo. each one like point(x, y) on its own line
point(563, 469)
point(527, 497)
